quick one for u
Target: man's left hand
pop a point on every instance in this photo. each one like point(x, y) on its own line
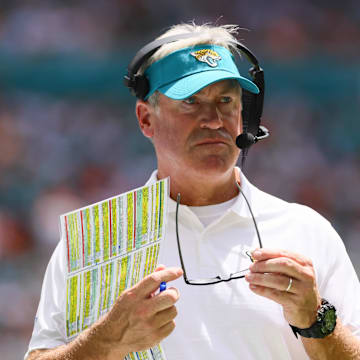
point(270, 276)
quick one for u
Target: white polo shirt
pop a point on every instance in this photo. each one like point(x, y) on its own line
point(227, 320)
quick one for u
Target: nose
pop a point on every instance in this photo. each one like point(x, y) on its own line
point(211, 117)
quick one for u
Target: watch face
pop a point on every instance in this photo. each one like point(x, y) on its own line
point(329, 321)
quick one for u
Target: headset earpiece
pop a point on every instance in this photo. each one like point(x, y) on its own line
point(252, 107)
point(138, 85)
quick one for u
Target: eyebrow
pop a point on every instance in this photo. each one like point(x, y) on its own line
point(232, 84)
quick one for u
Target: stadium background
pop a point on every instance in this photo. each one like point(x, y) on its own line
point(69, 137)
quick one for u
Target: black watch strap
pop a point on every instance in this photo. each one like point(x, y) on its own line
point(324, 325)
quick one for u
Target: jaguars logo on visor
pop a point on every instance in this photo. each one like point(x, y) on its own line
point(208, 56)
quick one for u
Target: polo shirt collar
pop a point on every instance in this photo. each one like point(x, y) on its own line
point(239, 207)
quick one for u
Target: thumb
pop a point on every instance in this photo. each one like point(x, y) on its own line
point(151, 282)
point(160, 267)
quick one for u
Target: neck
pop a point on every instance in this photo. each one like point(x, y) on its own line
point(200, 189)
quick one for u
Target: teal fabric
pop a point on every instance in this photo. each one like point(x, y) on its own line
point(185, 72)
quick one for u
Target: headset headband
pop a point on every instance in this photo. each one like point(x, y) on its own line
point(148, 50)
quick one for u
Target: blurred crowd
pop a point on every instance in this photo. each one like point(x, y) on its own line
point(69, 137)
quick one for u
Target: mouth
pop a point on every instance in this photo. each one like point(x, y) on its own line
point(212, 142)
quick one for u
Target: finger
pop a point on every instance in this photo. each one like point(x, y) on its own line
point(152, 282)
point(273, 281)
point(165, 316)
point(157, 335)
point(284, 266)
point(166, 330)
point(164, 300)
point(158, 268)
point(280, 297)
point(266, 253)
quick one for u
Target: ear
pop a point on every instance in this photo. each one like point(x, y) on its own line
point(145, 115)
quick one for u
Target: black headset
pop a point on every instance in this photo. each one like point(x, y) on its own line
point(252, 103)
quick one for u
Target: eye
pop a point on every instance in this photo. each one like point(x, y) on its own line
point(225, 99)
point(190, 101)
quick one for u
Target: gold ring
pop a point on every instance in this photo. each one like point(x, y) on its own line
point(289, 286)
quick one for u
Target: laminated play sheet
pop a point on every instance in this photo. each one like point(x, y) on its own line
point(111, 245)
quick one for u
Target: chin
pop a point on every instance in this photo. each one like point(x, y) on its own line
point(214, 165)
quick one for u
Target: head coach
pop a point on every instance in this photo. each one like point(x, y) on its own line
point(249, 276)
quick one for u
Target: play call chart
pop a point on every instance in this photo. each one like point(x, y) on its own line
point(112, 245)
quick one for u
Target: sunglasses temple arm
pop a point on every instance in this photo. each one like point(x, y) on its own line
point(252, 215)
point(177, 238)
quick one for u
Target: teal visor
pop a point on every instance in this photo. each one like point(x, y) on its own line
point(185, 72)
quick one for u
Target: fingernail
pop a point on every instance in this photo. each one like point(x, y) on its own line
point(256, 253)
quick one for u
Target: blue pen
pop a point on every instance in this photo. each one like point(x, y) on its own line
point(162, 286)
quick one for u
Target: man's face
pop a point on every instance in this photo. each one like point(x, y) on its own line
point(197, 135)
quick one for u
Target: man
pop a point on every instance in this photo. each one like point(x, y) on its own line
point(192, 112)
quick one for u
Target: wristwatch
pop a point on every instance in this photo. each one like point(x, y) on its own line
point(324, 325)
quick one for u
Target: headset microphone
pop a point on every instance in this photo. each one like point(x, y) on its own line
point(246, 139)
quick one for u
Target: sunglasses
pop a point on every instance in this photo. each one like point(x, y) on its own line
point(214, 280)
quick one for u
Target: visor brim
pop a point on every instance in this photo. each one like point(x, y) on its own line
point(189, 85)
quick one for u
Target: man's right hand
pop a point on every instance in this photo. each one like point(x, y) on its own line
point(139, 319)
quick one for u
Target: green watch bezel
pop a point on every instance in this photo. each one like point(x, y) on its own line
point(329, 321)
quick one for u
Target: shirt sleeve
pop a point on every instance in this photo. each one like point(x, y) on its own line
point(49, 325)
point(338, 282)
